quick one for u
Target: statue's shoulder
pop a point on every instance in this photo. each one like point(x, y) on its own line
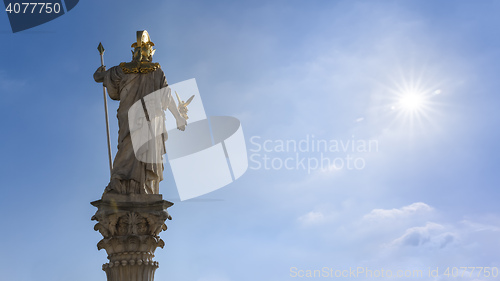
point(139, 67)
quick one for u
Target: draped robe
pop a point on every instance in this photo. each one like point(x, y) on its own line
point(130, 175)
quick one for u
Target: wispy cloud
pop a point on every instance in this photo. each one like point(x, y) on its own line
point(431, 235)
point(418, 208)
point(476, 227)
point(312, 217)
point(10, 84)
point(317, 218)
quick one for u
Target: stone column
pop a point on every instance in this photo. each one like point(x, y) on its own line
point(130, 225)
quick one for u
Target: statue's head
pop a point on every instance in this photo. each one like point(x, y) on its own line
point(143, 48)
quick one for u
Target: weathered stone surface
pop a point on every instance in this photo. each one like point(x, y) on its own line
point(130, 225)
point(138, 169)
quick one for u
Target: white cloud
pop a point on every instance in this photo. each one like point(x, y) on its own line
point(474, 226)
point(431, 235)
point(418, 208)
point(316, 218)
point(312, 217)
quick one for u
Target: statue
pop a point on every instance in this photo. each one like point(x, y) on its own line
point(130, 82)
point(131, 212)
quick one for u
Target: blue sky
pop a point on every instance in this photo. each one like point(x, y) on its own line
point(288, 70)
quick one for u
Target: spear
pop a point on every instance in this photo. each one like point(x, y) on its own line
point(101, 52)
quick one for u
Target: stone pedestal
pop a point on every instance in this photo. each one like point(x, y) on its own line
point(130, 225)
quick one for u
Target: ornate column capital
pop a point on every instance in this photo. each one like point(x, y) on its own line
point(130, 225)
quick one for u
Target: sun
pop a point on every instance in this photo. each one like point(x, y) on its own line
point(413, 107)
point(412, 102)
